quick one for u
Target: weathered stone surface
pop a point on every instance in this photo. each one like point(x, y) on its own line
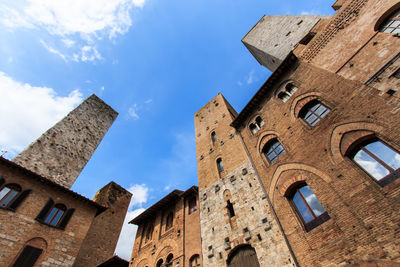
point(61, 153)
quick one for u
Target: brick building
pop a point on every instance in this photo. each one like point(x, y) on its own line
point(307, 173)
point(169, 232)
point(43, 222)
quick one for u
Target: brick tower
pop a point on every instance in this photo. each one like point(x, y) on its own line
point(62, 151)
point(102, 237)
point(235, 214)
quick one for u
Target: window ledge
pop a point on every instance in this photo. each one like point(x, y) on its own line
point(52, 226)
point(317, 221)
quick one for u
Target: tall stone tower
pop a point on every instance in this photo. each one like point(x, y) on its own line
point(62, 151)
point(235, 216)
point(102, 237)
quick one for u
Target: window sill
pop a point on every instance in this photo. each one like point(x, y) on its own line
point(52, 226)
point(317, 221)
point(389, 178)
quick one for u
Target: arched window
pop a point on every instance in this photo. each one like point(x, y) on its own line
point(195, 261)
point(213, 137)
point(231, 211)
point(168, 260)
point(169, 221)
point(392, 23)
point(219, 165)
point(55, 215)
point(287, 91)
point(28, 256)
point(307, 207)
point(159, 263)
point(378, 160)
point(8, 194)
point(273, 149)
point(313, 112)
point(256, 125)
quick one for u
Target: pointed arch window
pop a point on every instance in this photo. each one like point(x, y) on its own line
point(307, 206)
point(313, 112)
point(377, 159)
point(273, 150)
point(391, 24)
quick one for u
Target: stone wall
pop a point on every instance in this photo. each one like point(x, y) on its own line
point(62, 152)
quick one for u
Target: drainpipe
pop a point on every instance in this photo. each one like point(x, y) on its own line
point(269, 201)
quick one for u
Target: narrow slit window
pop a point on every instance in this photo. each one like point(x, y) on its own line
point(213, 137)
point(230, 209)
point(220, 165)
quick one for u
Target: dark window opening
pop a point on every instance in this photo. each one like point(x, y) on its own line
point(195, 261)
point(168, 261)
point(391, 24)
point(55, 215)
point(159, 263)
point(220, 165)
point(307, 206)
point(230, 209)
point(379, 160)
point(169, 221)
point(396, 74)
point(149, 233)
point(28, 257)
point(313, 112)
point(273, 150)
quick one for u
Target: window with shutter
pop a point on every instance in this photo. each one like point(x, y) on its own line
point(28, 257)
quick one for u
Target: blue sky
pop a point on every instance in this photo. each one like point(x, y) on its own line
point(154, 61)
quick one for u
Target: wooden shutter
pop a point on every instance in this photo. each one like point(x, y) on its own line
point(66, 218)
point(21, 197)
point(28, 257)
point(45, 210)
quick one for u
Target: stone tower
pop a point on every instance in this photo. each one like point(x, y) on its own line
point(62, 151)
point(102, 237)
point(273, 37)
point(234, 207)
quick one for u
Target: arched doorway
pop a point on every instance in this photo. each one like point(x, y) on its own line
point(243, 256)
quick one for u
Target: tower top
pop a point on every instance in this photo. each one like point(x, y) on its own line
point(62, 152)
point(273, 37)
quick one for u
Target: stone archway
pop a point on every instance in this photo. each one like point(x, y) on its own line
point(243, 256)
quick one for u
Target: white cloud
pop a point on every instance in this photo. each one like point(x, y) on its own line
point(72, 22)
point(127, 236)
point(311, 12)
point(250, 78)
point(53, 51)
point(30, 110)
point(167, 188)
point(132, 111)
point(139, 194)
point(148, 101)
point(90, 53)
point(68, 42)
point(102, 88)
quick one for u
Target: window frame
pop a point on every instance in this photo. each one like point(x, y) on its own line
point(12, 188)
point(392, 16)
point(269, 145)
point(195, 259)
point(169, 221)
point(307, 108)
point(318, 220)
point(192, 208)
point(393, 175)
point(220, 165)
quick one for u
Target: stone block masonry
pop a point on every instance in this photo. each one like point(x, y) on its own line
point(62, 152)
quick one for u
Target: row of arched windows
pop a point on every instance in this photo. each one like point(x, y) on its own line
point(12, 196)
